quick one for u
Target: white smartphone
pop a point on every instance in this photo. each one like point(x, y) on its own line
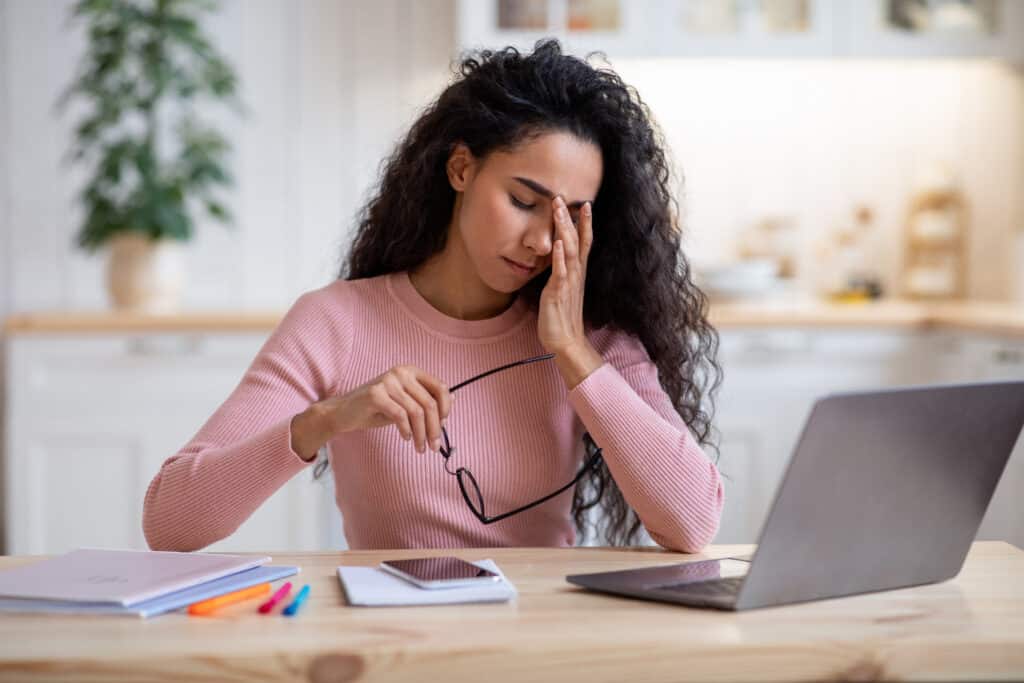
point(440, 572)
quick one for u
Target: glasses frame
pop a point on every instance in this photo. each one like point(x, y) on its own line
point(465, 477)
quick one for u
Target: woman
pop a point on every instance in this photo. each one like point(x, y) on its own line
point(526, 216)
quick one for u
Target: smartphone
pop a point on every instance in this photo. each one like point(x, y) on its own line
point(440, 572)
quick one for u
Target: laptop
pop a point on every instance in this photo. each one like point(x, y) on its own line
point(884, 490)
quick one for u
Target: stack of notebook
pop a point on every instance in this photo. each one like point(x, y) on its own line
point(138, 583)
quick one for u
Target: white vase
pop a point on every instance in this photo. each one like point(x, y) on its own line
point(145, 275)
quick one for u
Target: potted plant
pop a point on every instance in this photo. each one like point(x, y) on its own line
point(154, 165)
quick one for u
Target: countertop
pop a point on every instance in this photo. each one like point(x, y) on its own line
point(975, 316)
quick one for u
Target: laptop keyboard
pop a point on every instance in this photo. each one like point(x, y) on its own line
point(717, 588)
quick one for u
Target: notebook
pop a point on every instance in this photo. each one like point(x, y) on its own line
point(158, 605)
point(369, 587)
point(118, 577)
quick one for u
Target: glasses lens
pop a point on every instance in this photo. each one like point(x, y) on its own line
point(471, 491)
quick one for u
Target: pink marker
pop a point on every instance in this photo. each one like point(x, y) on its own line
point(276, 598)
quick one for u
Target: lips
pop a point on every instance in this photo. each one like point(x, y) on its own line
point(522, 267)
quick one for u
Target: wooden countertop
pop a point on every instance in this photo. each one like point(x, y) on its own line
point(977, 316)
point(971, 627)
point(87, 322)
point(988, 317)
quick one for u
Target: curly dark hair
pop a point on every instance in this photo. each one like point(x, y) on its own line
point(638, 279)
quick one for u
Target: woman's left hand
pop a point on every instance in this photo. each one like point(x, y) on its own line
point(560, 315)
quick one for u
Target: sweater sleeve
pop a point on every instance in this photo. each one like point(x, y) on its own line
point(243, 454)
point(654, 458)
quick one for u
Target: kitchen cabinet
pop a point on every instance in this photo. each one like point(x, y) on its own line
point(90, 419)
point(748, 28)
point(773, 377)
point(771, 380)
point(621, 29)
point(649, 28)
point(985, 28)
point(995, 359)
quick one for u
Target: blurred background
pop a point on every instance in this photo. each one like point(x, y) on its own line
point(850, 175)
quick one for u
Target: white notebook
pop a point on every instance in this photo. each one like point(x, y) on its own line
point(119, 577)
point(369, 586)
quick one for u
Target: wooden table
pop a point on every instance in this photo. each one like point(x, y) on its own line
point(970, 627)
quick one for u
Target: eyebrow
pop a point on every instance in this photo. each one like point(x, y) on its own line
point(541, 190)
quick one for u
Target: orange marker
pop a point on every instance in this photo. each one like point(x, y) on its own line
point(207, 606)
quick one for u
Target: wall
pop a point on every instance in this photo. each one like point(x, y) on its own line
point(812, 138)
point(329, 87)
point(5, 235)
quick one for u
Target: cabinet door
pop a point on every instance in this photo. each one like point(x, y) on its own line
point(1003, 360)
point(771, 380)
point(896, 28)
point(749, 475)
point(91, 419)
point(619, 28)
point(758, 413)
point(698, 28)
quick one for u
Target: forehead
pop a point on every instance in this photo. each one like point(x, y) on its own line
point(560, 161)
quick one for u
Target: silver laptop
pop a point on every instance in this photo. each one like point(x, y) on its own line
point(885, 490)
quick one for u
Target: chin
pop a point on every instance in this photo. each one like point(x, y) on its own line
point(504, 285)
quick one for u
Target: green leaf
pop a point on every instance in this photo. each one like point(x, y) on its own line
point(141, 57)
point(218, 211)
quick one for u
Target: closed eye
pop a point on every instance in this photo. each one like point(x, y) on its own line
point(520, 205)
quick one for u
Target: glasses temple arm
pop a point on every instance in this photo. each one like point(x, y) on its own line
point(586, 468)
point(546, 356)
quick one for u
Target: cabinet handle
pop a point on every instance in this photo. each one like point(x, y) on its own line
point(1008, 356)
point(773, 345)
point(149, 347)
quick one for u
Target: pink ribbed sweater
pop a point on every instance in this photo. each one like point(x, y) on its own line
point(518, 431)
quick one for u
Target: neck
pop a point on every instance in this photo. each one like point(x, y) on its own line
point(449, 283)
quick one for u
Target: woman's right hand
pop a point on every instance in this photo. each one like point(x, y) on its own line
point(414, 401)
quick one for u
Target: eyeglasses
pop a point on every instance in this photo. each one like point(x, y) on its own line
point(467, 482)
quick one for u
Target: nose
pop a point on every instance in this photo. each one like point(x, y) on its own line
point(538, 237)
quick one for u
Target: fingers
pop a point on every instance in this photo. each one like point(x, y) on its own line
point(565, 230)
point(439, 390)
point(558, 267)
point(392, 411)
point(415, 413)
point(425, 401)
point(429, 413)
point(586, 233)
point(577, 238)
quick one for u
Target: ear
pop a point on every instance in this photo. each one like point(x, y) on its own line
point(461, 167)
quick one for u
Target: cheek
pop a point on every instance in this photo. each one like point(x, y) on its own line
point(494, 225)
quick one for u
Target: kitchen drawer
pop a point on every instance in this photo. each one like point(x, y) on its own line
point(128, 374)
point(89, 421)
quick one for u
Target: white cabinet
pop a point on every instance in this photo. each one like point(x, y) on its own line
point(772, 378)
point(746, 29)
point(994, 359)
point(750, 28)
point(618, 28)
point(89, 420)
point(649, 28)
point(979, 28)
